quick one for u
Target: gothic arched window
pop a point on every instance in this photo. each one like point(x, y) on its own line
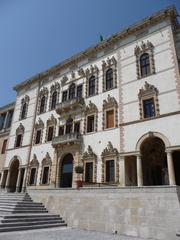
point(24, 110)
point(91, 86)
point(42, 105)
point(109, 79)
point(72, 91)
point(54, 100)
point(145, 64)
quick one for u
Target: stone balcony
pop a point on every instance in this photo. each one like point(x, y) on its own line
point(69, 105)
point(71, 138)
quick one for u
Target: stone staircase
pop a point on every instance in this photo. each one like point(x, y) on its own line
point(18, 212)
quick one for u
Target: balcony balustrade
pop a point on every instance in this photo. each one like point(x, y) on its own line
point(69, 105)
point(73, 138)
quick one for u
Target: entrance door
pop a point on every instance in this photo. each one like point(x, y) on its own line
point(14, 169)
point(66, 171)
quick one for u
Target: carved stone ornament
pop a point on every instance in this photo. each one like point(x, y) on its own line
point(43, 92)
point(55, 87)
point(91, 107)
point(25, 99)
point(111, 101)
point(81, 72)
point(64, 80)
point(34, 161)
point(20, 129)
point(46, 160)
point(109, 150)
point(92, 70)
point(89, 153)
point(148, 89)
point(143, 47)
point(73, 75)
point(109, 62)
point(52, 120)
point(39, 124)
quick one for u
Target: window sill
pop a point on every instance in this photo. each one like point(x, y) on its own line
point(107, 90)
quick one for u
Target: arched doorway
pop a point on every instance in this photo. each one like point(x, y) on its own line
point(154, 162)
point(14, 169)
point(66, 171)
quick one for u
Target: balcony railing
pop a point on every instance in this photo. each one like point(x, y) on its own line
point(67, 138)
point(69, 105)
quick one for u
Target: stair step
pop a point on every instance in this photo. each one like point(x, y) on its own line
point(23, 210)
point(12, 224)
point(20, 204)
point(30, 215)
point(21, 207)
point(19, 228)
point(32, 219)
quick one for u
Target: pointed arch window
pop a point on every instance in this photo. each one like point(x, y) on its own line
point(54, 100)
point(72, 91)
point(109, 79)
point(42, 105)
point(24, 107)
point(145, 64)
point(92, 86)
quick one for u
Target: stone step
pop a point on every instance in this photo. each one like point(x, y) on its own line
point(30, 215)
point(22, 228)
point(15, 199)
point(32, 219)
point(21, 207)
point(39, 222)
point(20, 204)
point(23, 210)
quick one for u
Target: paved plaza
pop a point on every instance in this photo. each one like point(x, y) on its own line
point(61, 234)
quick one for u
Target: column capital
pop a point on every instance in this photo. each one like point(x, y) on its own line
point(168, 150)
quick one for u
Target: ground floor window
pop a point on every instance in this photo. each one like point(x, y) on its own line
point(32, 180)
point(110, 171)
point(89, 172)
point(45, 178)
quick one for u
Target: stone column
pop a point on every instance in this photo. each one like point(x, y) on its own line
point(18, 180)
point(8, 181)
point(122, 173)
point(24, 180)
point(139, 170)
point(170, 165)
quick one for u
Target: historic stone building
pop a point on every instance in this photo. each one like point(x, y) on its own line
point(114, 108)
point(6, 115)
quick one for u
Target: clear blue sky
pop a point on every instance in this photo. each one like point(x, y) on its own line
point(36, 34)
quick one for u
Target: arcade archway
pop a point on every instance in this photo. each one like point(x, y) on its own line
point(14, 169)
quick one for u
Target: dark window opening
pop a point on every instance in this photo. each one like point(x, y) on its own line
point(32, 180)
point(90, 123)
point(45, 178)
point(18, 140)
point(92, 86)
point(42, 105)
point(61, 131)
point(77, 127)
point(79, 91)
point(69, 125)
point(110, 171)
point(149, 108)
point(50, 133)
point(145, 64)
point(2, 120)
point(89, 172)
point(72, 91)
point(54, 100)
point(4, 146)
point(38, 136)
point(24, 109)
point(9, 119)
point(110, 119)
point(109, 79)
point(64, 96)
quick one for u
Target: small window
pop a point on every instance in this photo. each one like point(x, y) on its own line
point(42, 105)
point(90, 123)
point(32, 180)
point(72, 91)
point(50, 133)
point(79, 91)
point(54, 100)
point(9, 119)
point(92, 86)
point(4, 146)
point(38, 136)
point(148, 108)
point(18, 140)
point(61, 130)
point(109, 79)
point(2, 120)
point(77, 127)
point(145, 64)
point(69, 126)
point(24, 109)
point(110, 171)
point(110, 119)
point(89, 172)
point(45, 178)
point(64, 96)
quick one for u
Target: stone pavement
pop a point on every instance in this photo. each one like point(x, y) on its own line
point(61, 234)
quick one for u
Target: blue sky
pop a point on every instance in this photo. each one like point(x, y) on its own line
point(36, 34)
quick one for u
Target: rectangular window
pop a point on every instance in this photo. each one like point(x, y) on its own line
point(61, 130)
point(110, 171)
point(64, 96)
point(4, 146)
point(77, 127)
point(79, 91)
point(50, 133)
point(90, 123)
point(32, 180)
point(18, 140)
point(45, 178)
point(38, 136)
point(89, 172)
point(110, 119)
point(148, 108)
point(9, 119)
point(2, 120)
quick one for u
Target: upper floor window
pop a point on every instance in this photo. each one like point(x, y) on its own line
point(9, 119)
point(145, 64)
point(43, 97)
point(148, 108)
point(42, 105)
point(54, 100)
point(61, 130)
point(92, 86)
point(18, 140)
point(24, 107)
point(145, 59)
point(79, 91)
point(90, 124)
point(3, 150)
point(19, 135)
point(38, 136)
point(69, 125)
point(148, 101)
point(50, 133)
point(64, 96)
point(72, 91)
point(2, 120)
point(51, 128)
point(110, 118)
point(38, 131)
point(109, 79)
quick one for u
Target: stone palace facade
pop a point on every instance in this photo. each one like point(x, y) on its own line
point(114, 108)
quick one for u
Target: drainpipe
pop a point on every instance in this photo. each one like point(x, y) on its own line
point(31, 139)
